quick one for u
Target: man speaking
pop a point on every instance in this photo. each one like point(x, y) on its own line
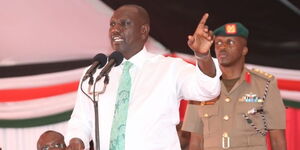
point(140, 108)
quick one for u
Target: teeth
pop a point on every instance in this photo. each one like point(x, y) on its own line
point(117, 39)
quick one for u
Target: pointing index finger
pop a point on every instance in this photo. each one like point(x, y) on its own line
point(202, 21)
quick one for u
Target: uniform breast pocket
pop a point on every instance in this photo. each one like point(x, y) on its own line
point(252, 111)
point(209, 116)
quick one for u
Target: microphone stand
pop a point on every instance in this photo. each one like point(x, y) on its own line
point(118, 56)
point(95, 102)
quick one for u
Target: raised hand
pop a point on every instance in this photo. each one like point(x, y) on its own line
point(202, 39)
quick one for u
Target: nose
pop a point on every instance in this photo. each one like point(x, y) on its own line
point(115, 29)
point(223, 45)
point(220, 47)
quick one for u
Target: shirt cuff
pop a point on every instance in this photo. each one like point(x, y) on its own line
point(206, 77)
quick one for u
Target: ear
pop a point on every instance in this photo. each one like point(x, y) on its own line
point(245, 51)
point(145, 29)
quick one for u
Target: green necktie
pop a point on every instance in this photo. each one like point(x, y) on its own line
point(117, 134)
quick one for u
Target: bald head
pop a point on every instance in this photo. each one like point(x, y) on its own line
point(51, 138)
point(139, 11)
point(129, 29)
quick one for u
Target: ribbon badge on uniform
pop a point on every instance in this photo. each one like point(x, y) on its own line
point(251, 98)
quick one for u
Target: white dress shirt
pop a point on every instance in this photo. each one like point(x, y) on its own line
point(158, 85)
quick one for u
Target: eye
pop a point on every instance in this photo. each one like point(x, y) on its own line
point(59, 146)
point(231, 42)
point(218, 43)
point(112, 24)
point(45, 148)
point(125, 23)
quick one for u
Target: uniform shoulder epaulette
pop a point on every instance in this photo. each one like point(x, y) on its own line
point(262, 74)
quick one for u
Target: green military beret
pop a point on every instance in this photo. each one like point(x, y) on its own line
point(232, 29)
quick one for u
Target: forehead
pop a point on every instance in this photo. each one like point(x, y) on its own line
point(51, 138)
point(125, 13)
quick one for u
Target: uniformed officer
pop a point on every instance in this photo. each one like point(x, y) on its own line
point(249, 106)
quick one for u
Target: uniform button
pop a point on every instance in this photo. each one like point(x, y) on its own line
point(227, 100)
point(226, 117)
point(205, 115)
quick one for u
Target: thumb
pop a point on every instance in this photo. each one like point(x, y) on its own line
point(191, 40)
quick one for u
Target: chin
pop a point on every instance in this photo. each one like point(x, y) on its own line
point(116, 47)
point(221, 60)
point(224, 62)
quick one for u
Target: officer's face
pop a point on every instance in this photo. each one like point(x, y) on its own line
point(125, 31)
point(230, 49)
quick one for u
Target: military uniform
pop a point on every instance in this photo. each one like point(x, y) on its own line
point(239, 118)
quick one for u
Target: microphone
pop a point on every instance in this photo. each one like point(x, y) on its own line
point(114, 59)
point(98, 62)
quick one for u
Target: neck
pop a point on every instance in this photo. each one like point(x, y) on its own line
point(129, 53)
point(233, 71)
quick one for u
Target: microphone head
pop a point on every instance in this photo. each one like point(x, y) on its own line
point(117, 56)
point(101, 58)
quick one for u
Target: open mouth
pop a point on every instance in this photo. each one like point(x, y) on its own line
point(222, 54)
point(117, 39)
